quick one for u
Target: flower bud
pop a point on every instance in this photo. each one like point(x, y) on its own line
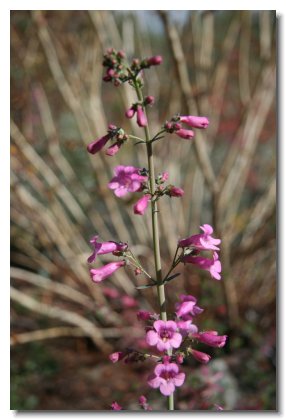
point(130, 112)
point(155, 61)
point(185, 134)
point(176, 192)
point(141, 117)
point(115, 357)
point(196, 122)
point(143, 315)
point(142, 204)
point(200, 356)
point(149, 100)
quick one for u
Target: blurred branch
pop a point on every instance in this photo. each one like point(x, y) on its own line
point(62, 314)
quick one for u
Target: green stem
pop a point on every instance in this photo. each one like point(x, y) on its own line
point(155, 229)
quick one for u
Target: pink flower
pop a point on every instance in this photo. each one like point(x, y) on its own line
point(114, 148)
point(166, 377)
point(126, 179)
point(149, 100)
point(211, 338)
point(176, 192)
point(144, 403)
point(142, 204)
point(165, 336)
point(200, 356)
point(186, 327)
point(110, 292)
point(115, 406)
point(96, 145)
point(141, 117)
point(115, 357)
point(197, 122)
point(185, 134)
point(101, 248)
point(130, 112)
point(99, 274)
point(212, 265)
point(203, 241)
point(187, 306)
point(155, 61)
point(164, 176)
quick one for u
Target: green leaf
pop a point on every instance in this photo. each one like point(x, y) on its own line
point(171, 277)
point(146, 286)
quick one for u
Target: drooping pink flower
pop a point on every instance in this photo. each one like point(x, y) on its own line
point(176, 192)
point(99, 274)
point(141, 117)
point(200, 356)
point(96, 145)
point(114, 148)
point(186, 327)
point(166, 377)
point(116, 356)
point(130, 112)
point(164, 336)
point(185, 134)
point(211, 338)
point(155, 60)
point(101, 248)
point(126, 179)
point(115, 406)
point(187, 306)
point(196, 122)
point(212, 265)
point(202, 241)
point(141, 205)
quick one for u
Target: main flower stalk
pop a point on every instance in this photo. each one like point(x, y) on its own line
point(155, 228)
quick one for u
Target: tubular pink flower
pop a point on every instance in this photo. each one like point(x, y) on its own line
point(196, 122)
point(130, 112)
point(176, 192)
point(96, 145)
point(126, 179)
point(101, 248)
point(200, 356)
point(141, 117)
point(203, 241)
point(166, 377)
point(211, 338)
point(142, 204)
point(155, 60)
point(187, 306)
point(212, 265)
point(114, 148)
point(165, 336)
point(186, 327)
point(185, 134)
point(99, 274)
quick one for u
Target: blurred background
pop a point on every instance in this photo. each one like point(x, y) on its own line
point(219, 64)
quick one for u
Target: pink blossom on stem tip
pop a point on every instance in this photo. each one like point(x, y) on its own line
point(127, 179)
point(203, 241)
point(196, 122)
point(96, 145)
point(99, 274)
point(212, 265)
point(200, 356)
point(116, 356)
point(164, 336)
point(185, 134)
point(141, 205)
point(155, 60)
point(176, 192)
point(101, 248)
point(166, 377)
point(187, 306)
point(211, 338)
point(141, 117)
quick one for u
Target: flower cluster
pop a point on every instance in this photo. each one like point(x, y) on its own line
point(175, 126)
point(98, 144)
point(195, 244)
